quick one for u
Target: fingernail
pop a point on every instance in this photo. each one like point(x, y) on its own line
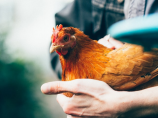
point(45, 88)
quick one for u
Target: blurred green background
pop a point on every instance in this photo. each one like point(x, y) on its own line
point(19, 86)
point(25, 31)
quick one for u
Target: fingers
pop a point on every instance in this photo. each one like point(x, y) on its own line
point(77, 105)
point(70, 116)
point(110, 42)
point(72, 105)
point(76, 101)
point(105, 41)
point(115, 43)
point(62, 99)
point(66, 103)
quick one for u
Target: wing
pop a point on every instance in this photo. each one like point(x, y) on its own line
point(129, 67)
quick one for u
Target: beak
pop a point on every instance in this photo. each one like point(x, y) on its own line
point(53, 47)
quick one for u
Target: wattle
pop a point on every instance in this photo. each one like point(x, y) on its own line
point(62, 52)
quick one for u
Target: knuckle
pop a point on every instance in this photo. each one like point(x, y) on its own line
point(66, 109)
point(77, 86)
point(102, 86)
point(57, 88)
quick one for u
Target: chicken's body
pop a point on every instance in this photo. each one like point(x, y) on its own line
point(123, 69)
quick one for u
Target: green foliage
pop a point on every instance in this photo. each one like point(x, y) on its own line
point(19, 83)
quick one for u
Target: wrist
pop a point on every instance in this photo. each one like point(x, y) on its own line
point(138, 103)
point(129, 105)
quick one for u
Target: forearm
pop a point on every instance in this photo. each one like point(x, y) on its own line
point(140, 103)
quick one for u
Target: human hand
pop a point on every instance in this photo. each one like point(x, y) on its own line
point(110, 42)
point(92, 98)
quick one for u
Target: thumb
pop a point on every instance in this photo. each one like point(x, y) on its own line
point(77, 86)
point(56, 87)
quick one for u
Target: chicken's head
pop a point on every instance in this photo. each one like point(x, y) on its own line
point(63, 39)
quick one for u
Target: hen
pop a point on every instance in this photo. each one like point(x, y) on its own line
point(123, 69)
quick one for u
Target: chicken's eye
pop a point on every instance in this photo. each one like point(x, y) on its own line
point(66, 38)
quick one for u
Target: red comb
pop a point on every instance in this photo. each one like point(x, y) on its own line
point(55, 32)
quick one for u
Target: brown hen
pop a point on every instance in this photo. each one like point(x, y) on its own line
point(123, 69)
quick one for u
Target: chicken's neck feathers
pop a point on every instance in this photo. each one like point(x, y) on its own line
point(87, 60)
